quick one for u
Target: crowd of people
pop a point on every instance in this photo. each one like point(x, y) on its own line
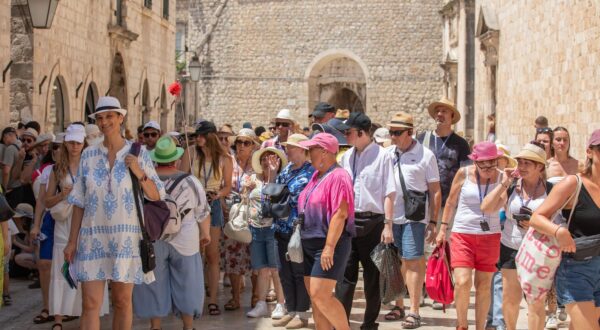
point(298, 212)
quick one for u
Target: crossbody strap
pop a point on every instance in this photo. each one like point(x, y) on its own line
point(402, 183)
point(574, 198)
point(176, 182)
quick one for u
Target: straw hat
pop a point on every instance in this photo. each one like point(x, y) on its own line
point(342, 114)
point(294, 140)
point(533, 153)
point(402, 120)
point(512, 163)
point(265, 136)
point(444, 102)
point(258, 154)
point(244, 133)
point(166, 151)
point(106, 104)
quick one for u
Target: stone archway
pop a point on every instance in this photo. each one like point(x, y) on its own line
point(145, 102)
point(118, 81)
point(164, 110)
point(338, 77)
point(58, 112)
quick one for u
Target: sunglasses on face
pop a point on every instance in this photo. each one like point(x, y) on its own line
point(243, 143)
point(224, 138)
point(150, 134)
point(398, 132)
point(28, 141)
point(281, 124)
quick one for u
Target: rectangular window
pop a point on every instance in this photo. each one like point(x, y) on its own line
point(180, 38)
point(166, 9)
point(119, 12)
point(148, 3)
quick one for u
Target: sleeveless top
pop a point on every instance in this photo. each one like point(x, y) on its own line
point(206, 175)
point(512, 235)
point(586, 217)
point(468, 212)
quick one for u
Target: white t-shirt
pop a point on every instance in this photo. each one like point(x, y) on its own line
point(419, 168)
point(42, 179)
point(189, 194)
point(372, 172)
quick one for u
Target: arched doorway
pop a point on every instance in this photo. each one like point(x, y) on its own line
point(338, 77)
point(58, 112)
point(91, 96)
point(118, 80)
point(164, 110)
point(146, 115)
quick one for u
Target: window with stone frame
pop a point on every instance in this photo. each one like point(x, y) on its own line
point(148, 4)
point(165, 9)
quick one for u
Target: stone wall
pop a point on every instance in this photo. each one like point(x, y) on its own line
point(262, 55)
point(80, 49)
point(4, 59)
point(548, 64)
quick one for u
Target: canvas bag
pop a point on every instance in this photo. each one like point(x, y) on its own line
point(173, 224)
point(539, 257)
point(438, 279)
point(237, 228)
point(63, 209)
point(295, 253)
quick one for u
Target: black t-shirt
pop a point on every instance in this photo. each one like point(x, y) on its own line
point(451, 153)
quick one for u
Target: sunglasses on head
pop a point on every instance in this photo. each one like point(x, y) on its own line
point(398, 132)
point(544, 130)
point(150, 134)
point(243, 143)
point(282, 124)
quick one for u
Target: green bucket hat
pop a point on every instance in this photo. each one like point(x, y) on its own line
point(166, 151)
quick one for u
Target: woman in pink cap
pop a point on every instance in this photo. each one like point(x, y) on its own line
point(475, 242)
point(326, 215)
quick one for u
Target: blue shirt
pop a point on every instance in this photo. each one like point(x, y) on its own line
point(296, 181)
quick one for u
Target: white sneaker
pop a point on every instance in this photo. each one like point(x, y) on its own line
point(260, 310)
point(278, 312)
point(561, 314)
point(552, 323)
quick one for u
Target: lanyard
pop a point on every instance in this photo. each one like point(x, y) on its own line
point(530, 196)
point(206, 177)
point(316, 185)
point(443, 144)
point(240, 175)
point(487, 185)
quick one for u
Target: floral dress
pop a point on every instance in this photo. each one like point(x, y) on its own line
point(109, 239)
point(237, 255)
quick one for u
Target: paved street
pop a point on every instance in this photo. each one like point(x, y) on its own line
point(27, 302)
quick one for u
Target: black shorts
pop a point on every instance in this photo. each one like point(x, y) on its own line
point(312, 257)
point(507, 258)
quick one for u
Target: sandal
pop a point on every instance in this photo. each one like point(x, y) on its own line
point(6, 300)
point(43, 317)
point(395, 314)
point(69, 318)
point(232, 305)
point(412, 323)
point(213, 309)
point(59, 325)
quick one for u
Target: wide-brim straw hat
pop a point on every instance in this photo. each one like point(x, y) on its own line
point(294, 140)
point(444, 102)
point(256, 158)
point(106, 104)
point(402, 120)
point(512, 163)
point(533, 153)
point(166, 151)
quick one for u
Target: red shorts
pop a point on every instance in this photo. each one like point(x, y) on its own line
point(480, 252)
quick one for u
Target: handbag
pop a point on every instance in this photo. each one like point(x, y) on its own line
point(415, 202)
point(295, 253)
point(237, 228)
point(539, 257)
point(62, 210)
point(280, 196)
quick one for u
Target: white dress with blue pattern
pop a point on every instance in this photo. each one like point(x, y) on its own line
point(108, 245)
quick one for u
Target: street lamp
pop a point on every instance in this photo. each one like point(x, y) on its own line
point(195, 67)
point(42, 12)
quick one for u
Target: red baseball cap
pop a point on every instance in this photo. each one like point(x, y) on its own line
point(594, 139)
point(323, 140)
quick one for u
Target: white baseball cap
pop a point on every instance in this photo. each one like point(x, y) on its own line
point(152, 124)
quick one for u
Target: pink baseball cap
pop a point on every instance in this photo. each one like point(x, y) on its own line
point(323, 140)
point(485, 151)
point(594, 139)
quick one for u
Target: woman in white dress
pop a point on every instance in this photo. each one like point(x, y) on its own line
point(104, 242)
point(64, 301)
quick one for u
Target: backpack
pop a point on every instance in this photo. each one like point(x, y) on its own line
point(173, 224)
point(438, 279)
point(513, 185)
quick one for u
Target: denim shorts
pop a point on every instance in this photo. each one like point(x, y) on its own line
point(263, 248)
point(216, 214)
point(578, 281)
point(313, 247)
point(409, 238)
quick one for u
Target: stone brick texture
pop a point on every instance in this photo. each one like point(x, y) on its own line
point(259, 55)
point(549, 58)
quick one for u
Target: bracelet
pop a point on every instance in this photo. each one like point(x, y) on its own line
point(556, 231)
point(445, 223)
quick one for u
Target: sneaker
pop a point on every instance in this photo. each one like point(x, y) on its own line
point(552, 323)
point(562, 314)
point(297, 323)
point(279, 312)
point(437, 306)
point(260, 310)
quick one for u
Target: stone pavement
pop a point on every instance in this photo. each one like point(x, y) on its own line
point(27, 303)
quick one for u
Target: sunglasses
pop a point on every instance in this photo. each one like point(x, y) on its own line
point(398, 132)
point(243, 143)
point(487, 164)
point(224, 138)
point(281, 124)
point(544, 130)
point(28, 141)
point(150, 134)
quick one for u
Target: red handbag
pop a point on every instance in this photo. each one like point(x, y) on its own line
point(438, 279)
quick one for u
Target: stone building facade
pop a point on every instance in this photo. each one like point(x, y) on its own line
point(532, 58)
point(123, 48)
point(5, 60)
point(259, 56)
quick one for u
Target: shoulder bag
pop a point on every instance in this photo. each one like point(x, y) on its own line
point(237, 228)
point(415, 202)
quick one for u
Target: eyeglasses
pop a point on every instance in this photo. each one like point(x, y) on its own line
point(487, 164)
point(398, 132)
point(243, 143)
point(150, 134)
point(282, 124)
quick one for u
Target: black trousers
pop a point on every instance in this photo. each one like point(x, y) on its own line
point(291, 275)
point(361, 252)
